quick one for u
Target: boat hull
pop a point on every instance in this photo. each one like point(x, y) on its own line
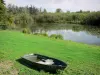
point(58, 64)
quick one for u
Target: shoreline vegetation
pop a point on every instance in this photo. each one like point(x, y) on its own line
point(14, 17)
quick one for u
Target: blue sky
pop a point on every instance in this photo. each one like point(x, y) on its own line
point(65, 5)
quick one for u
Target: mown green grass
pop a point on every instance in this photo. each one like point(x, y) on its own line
point(82, 59)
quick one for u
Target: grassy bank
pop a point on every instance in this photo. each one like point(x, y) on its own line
point(82, 59)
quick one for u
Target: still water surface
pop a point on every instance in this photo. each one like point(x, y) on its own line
point(78, 33)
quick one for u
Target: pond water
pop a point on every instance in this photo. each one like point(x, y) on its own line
point(78, 33)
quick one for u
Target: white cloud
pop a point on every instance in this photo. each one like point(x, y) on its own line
point(73, 5)
point(10, 1)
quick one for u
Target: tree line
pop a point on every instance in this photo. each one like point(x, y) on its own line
point(21, 17)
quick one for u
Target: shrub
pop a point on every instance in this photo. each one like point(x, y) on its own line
point(3, 26)
point(56, 36)
point(43, 34)
point(25, 30)
point(53, 36)
point(59, 37)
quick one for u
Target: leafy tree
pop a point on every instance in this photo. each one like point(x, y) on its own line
point(79, 11)
point(58, 10)
point(24, 17)
point(33, 10)
point(10, 21)
point(25, 20)
point(2, 1)
point(92, 19)
point(2, 11)
point(44, 11)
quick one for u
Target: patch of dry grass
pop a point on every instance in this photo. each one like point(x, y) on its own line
point(6, 68)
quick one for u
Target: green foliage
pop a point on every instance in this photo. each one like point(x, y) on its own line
point(56, 36)
point(2, 11)
point(25, 17)
point(3, 26)
point(32, 10)
point(92, 19)
point(60, 17)
point(41, 34)
point(26, 30)
point(53, 36)
point(45, 18)
point(58, 10)
point(44, 11)
point(59, 37)
point(25, 20)
point(45, 34)
point(10, 21)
